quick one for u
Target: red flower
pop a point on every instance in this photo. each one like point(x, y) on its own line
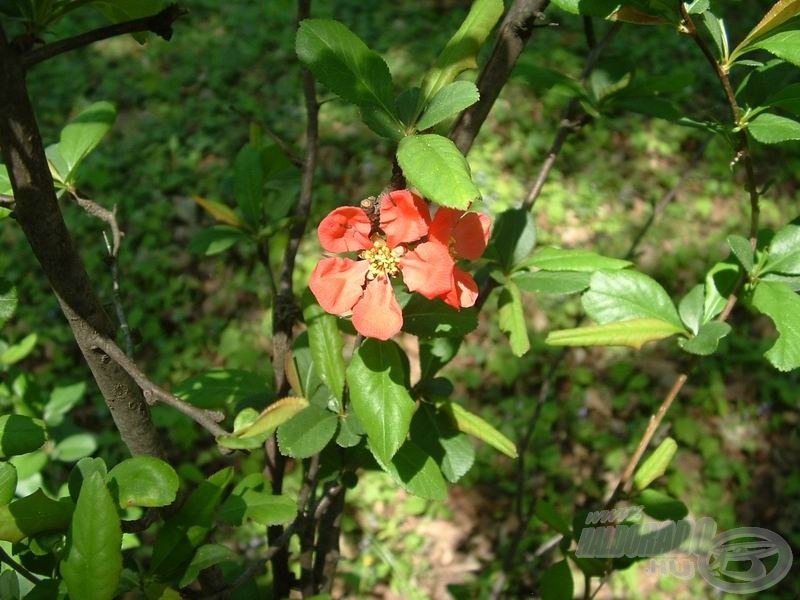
point(363, 286)
point(465, 235)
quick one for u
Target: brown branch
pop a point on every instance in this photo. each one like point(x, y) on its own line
point(6, 558)
point(208, 419)
point(330, 525)
point(39, 215)
point(514, 33)
point(159, 23)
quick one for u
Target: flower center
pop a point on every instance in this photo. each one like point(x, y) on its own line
point(382, 259)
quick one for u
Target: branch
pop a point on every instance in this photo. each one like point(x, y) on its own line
point(159, 23)
point(207, 419)
point(514, 33)
point(7, 201)
point(6, 558)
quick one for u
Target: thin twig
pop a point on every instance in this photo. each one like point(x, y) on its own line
point(109, 217)
point(6, 558)
point(207, 419)
point(159, 23)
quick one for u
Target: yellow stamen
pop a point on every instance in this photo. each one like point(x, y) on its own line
point(382, 260)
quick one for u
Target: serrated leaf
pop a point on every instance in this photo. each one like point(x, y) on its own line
point(716, 27)
point(552, 282)
point(276, 414)
point(326, 345)
point(634, 333)
point(691, 306)
point(461, 51)
point(513, 238)
point(707, 338)
point(511, 318)
point(143, 481)
point(220, 212)
point(93, 562)
point(784, 251)
point(205, 557)
point(720, 283)
point(563, 259)
point(215, 239)
point(433, 318)
point(432, 164)
point(656, 464)
point(780, 13)
point(83, 134)
point(8, 301)
point(448, 102)
point(473, 425)
point(382, 123)
point(768, 128)
point(435, 354)
point(218, 388)
point(697, 7)
point(625, 295)
point(556, 583)
point(8, 482)
point(742, 249)
point(350, 431)
point(308, 432)
point(20, 434)
point(32, 515)
point(377, 381)
point(661, 506)
point(343, 62)
point(782, 305)
point(416, 472)
point(435, 433)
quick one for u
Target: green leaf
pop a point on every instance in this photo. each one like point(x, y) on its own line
point(350, 431)
point(461, 51)
point(552, 282)
point(656, 464)
point(20, 434)
point(720, 283)
point(548, 515)
point(5, 182)
point(787, 98)
point(93, 562)
point(691, 308)
point(382, 123)
point(8, 301)
point(221, 213)
point(248, 184)
point(780, 13)
point(272, 417)
point(33, 515)
point(433, 318)
point(340, 60)
point(75, 447)
point(784, 251)
point(83, 134)
point(563, 259)
point(187, 529)
point(661, 506)
point(473, 425)
point(513, 238)
point(625, 295)
point(220, 387)
point(511, 317)
point(261, 506)
point(782, 305)
point(448, 102)
point(742, 250)
point(61, 401)
point(435, 354)
point(707, 338)
point(557, 582)
point(326, 345)
point(307, 433)
point(435, 433)
point(17, 352)
point(697, 7)
point(205, 557)
point(215, 239)
point(82, 470)
point(377, 381)
point(774, 129)
point(8, 482)
point(416, 472)
point(432, 164)
point(716, 27)
point(144, 481)
point(540, 78)
point(634, 333)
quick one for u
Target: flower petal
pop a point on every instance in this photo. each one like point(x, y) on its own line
point(464, 290)
point(337, 283)
point(345, 229)
point(404, 217)
point(377, 314)
point(444, 221)
point(471, 235)
point(428, 269)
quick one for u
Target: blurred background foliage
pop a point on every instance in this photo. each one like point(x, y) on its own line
point(185, 108)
